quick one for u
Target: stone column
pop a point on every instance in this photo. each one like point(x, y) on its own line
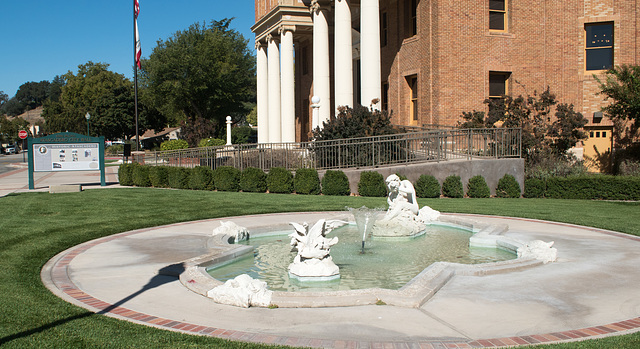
point(273, 59)
point(321, 80)
point(288, 118)
point(343, 55)
point(263, 93)
point(370, 52)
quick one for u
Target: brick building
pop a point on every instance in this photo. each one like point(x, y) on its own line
point(427, 61)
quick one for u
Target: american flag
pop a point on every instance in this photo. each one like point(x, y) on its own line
point(136, 11)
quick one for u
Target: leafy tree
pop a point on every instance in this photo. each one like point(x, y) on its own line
point(106, 96)
point(33, 94)
point(622, 87)
point(3, 99)
point(475, 119)
point(9, 129)
point(357, 122)
point(566, 130)
point(203, 73)
point(13, 107)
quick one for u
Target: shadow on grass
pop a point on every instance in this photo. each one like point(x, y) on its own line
point(165, 276)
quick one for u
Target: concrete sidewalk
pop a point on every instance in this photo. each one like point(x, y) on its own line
point(17, 181)
point(590, 292)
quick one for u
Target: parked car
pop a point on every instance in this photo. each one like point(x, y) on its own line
point(11, 149)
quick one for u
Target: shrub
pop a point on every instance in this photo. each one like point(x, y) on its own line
point(158, 175)
point(594, 187)
point(306, 181)
point(452, 187)
point(534, 188)
point(427, 186)
point(372, 184)
point(211, 142)
point(114, 149)
point(253, 180)
point(201, 178)
point(242, 134)
point(478, 188)
point(141, 176)
point(174, 144)
point(508, 187)
point(280, 180)
point(226, 178)
point(125, 174)
point(178, 177)
point(335, 183)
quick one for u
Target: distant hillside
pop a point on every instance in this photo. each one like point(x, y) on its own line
point(33, 116)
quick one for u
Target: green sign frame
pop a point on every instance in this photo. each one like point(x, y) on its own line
point(66, 151)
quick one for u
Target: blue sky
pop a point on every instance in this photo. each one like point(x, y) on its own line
point(44, 38)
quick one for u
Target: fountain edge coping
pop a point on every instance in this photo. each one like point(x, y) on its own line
point(413, 295)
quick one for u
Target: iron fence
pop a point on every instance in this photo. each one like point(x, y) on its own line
point(440, 145)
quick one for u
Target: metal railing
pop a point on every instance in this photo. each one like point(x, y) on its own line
point(440, 145)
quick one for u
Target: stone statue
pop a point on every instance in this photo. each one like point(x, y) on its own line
point(243, 291)
point(235, 232)
point(539, 250)
point(313, 259)
point(404, 217)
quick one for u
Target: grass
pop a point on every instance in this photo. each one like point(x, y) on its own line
point(36, 226)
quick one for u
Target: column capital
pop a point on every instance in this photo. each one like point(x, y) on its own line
point(260, 44)
point(286, 28)
point(271, 37)
point(319, 5)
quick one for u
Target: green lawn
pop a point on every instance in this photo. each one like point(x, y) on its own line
point(36, 226)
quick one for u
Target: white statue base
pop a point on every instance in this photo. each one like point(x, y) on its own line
point(235, 232)
point(315, 270)
point(243, 291)
point(399, 226)
point(539, 250)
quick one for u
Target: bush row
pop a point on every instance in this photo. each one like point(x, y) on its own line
point(226, 178)
point(595, 187)
point(304, 181)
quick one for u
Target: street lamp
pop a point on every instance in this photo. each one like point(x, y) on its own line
point(87, 116)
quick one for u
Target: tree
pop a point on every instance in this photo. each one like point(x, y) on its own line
point(622, 87)
point(106, 96)
point(352, 123)
point(566, 130)
point(204, 72)
point(33, 94)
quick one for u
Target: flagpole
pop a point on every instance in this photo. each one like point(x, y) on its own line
point(135, 69)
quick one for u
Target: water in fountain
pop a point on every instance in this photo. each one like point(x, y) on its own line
point(365, 218)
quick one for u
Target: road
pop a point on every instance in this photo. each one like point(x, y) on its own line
point(7, 160)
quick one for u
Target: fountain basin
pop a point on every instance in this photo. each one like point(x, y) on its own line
point(413, 294)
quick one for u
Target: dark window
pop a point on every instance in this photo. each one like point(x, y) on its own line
point(604, 135)
point(385, 96)
point(498, 84)
point(599, 46)
point(414, 17)
point(497, 15)
point(384, 29)
point(591, 134)
point(305, 60)
point(411, 17)
point(413, 86)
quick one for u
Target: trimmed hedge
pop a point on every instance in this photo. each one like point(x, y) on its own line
point(428, 186)
point(534, 188)
point(280, 180)
point(226, 178)
point(452, 187)
point(141, 176)
point(508, 187)
point(178, 177)
point(125, 174)
point(159, 176)
point(253, 180)
point(201, 178)
point(335, 183)
point(306, 181)
point(372, 184)
point(597, 187)
point(478, 188)
point(174, 144)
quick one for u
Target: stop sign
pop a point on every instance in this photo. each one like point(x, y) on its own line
point(22, 134)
